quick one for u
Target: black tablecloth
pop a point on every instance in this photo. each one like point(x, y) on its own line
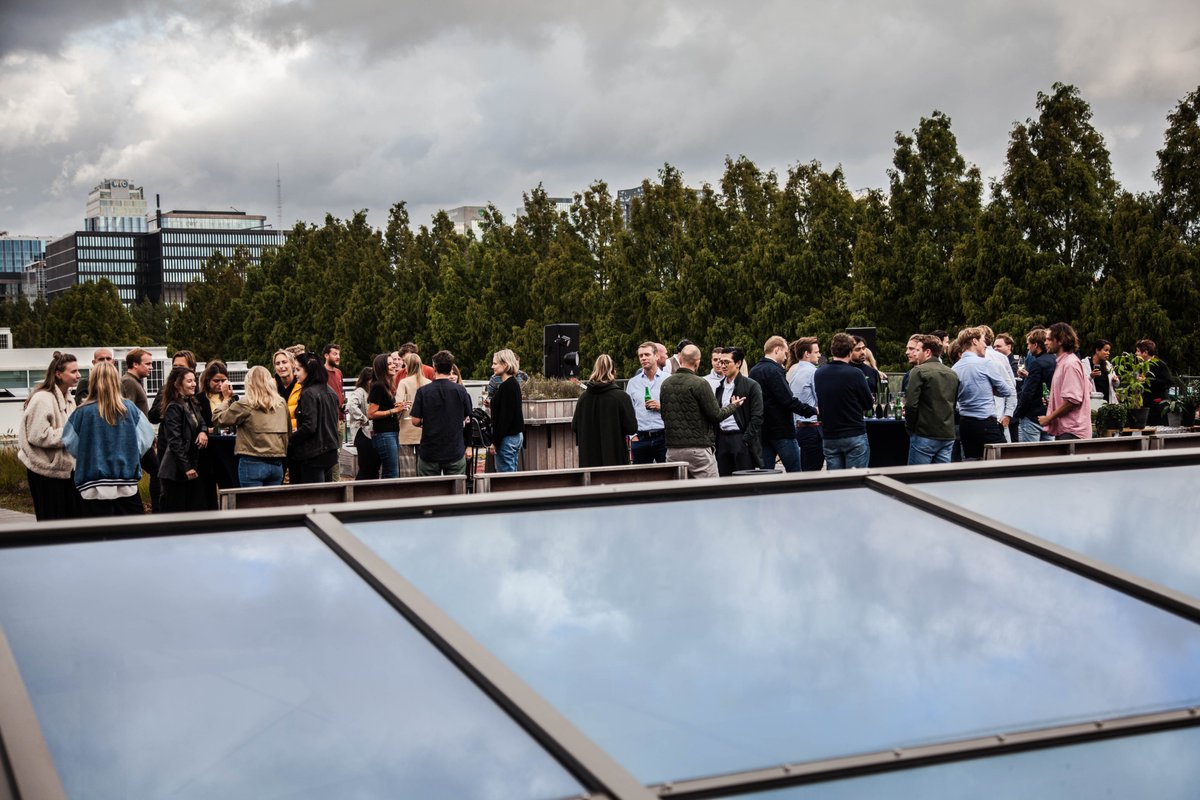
point(889, 442)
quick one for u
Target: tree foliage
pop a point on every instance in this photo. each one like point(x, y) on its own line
point(754, 254)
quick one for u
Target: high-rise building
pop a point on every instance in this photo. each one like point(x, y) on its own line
point(17, 254)
point(467, 218)
point(88, 256)
point(182, 242)
point(116, 205)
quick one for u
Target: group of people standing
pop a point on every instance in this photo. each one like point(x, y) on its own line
point(407, 419)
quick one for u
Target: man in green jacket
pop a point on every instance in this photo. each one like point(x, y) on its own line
point(929, 402)
point(690, 412)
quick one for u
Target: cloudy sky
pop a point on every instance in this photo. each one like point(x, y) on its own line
point(359, 104)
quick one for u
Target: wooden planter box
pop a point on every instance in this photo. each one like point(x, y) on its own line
point(549, 442)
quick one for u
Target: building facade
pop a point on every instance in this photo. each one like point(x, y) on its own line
point(157, 265)
point(182, 242)
point(18, 254)
point(116, 205)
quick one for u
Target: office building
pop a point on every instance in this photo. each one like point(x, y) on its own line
point(116, 205)
point(467, 218)
point(182, 242)
point(89, 256)
point(17, 255)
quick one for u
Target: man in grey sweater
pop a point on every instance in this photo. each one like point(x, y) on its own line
point(690, 412)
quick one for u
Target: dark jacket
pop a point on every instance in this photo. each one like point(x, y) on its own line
point(316, 431)
point(778, 401)
point(1041, 373)
point(178, 451)
point(929, 401)
point(689, 410)
point(749, 415)
point(603, 418)
point(507, 416)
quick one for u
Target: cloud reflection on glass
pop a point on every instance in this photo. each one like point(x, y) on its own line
point(1143, 521)
point(701, 637)
point(247, 665)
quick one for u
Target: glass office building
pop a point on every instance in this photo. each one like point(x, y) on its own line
point(17, 255)
point(159, 265)
point(184, 241)
point(88, 256)
point(1010, 629)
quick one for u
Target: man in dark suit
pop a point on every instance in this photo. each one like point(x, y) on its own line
point(738, 436)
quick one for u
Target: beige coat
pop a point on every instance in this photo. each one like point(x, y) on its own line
point(405, 392)
point(39, 439)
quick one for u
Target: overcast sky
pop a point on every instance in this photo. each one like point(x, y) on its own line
point(360, 104)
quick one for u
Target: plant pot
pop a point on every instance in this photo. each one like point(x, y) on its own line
point(1174, 419)
point(1138, 417)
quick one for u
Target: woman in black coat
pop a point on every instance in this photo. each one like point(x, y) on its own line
point(603, 419)
point(182, 437)
point(314, 444)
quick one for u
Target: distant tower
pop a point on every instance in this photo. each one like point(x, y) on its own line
point(278, 199)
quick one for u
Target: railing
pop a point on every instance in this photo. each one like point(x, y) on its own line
point(1112, 444)
point(304, 494)
point(584, 476)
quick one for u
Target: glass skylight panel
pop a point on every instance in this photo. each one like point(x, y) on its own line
point(247, 665)
point(1142, 520)
point(700, 637)
point(1160, 765)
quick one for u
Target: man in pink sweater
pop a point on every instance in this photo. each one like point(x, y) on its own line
point(1068, 411)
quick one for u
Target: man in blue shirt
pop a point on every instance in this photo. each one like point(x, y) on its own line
point(806, 354)
point(979, 383)
point(650, 446)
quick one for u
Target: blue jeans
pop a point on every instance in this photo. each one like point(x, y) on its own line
point(507, 450)
point(787, 450)
point(924, 450)
point(852, 451)
point(253, 471)
point(1028, 430)
point(387, 447)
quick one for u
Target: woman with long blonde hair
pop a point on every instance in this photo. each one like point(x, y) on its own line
point(410, 435)
point(261, 420)
point(40, 441)
point(107, 435)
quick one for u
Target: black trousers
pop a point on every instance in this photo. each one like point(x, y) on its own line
point(732, 453)
point(54, 498)
point(183, 495)
point(975, 433)
point(117, 507)
point(368, 459)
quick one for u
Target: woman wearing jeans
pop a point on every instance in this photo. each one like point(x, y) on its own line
point(382, 410)
point(261, 420)
point(508, 421)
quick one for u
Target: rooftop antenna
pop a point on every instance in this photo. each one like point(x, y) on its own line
point(278, 198)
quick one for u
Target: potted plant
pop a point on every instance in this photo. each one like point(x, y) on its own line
point(1132, 374)
point(1174, 408)
point(1111, 416)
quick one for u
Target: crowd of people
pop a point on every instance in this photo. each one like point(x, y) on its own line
point(808, 412)
point(86, 444)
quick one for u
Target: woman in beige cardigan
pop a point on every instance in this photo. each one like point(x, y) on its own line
point(410, 435)
point(40, 441)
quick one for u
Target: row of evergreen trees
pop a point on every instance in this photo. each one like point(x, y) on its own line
point(758, 254)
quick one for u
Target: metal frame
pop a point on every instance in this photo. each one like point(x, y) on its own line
point(856, 766)
point(27, 770)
